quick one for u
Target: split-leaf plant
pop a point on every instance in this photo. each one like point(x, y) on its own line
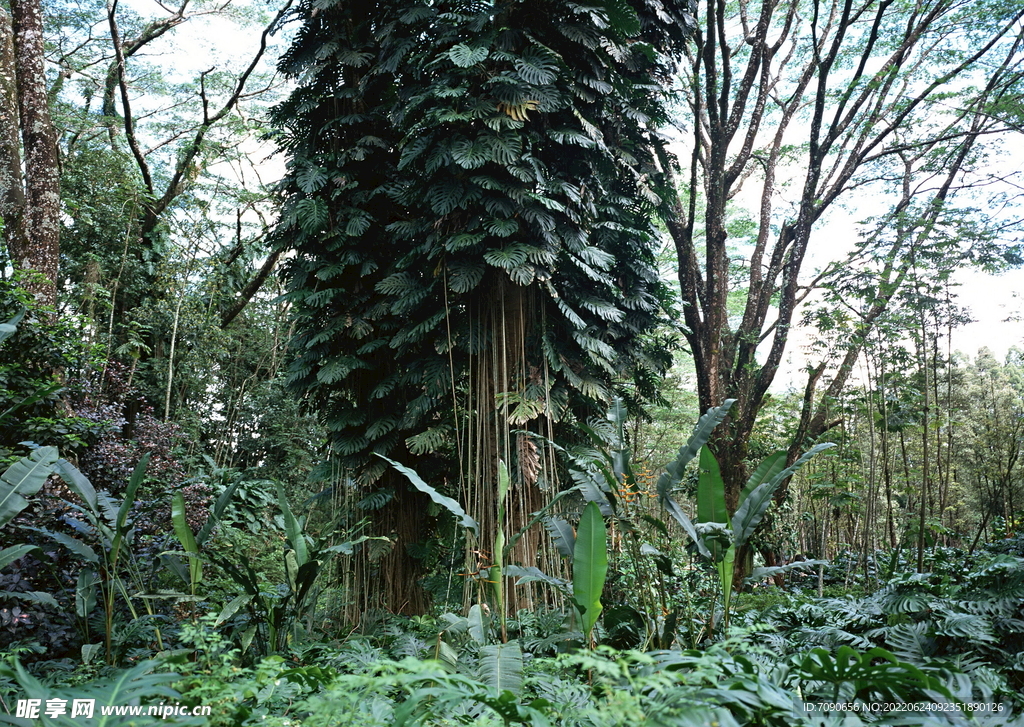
point(471, 196)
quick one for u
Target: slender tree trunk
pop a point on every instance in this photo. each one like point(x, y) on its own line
point(12, 189)
point(41, 251)
point(924, 452)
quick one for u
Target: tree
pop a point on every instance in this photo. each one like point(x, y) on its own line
point(470, 198)
point(874, 92)
point(29, 203)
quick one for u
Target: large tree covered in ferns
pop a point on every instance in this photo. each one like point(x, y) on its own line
point(471, 200)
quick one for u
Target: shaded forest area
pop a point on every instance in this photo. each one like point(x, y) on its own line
point(425, 363)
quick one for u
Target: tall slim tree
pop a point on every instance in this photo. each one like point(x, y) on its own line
point(801, 104)
point(470, 198)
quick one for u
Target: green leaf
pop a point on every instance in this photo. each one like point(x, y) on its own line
point(749, 515)
point(446, 502)
point(188, 540)
point(218, 512)
point(76, 546)
point(561, 535)
point(622, 17)
point(85, 593)
point(37, 597)
point(478, 625)
point(769, 467)
point(312, 215)
point(77, 482)
point(725, 574)
point(310, 178)
point(674, 470)
point(23, 479)
point(710, 490)
point(11, 326)
point(536, 68)
point(120, 525)
point(701, 433)
point(11, 554)
point(464, 56)
point(590, 565)
point(296, 538)
point(501, 667)
point(529, 573)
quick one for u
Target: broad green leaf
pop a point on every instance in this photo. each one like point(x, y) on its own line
point(684, 521)
point(217, 513)
point(479, 627)
point(446, 502)
point(232, 608)
point(701, 434)
point(590, 565)
point(464, 56)
point(296, 537)
point(23, 479)
point(501, 667)
point(760, 573)
point(527, 574)
point(11, 554)
point(540, 515)
point(710, 490)
point(674, 470)
point(749, 515)
point(769, 467)
point(77, 482)
point(562, 535)
point(120, 525)
point(9, 328)
point(622, 17)
point(503, 485)
point(725, 572)
point(186, 537)
point(76, 546)
point(37, 597)
point(85, 593)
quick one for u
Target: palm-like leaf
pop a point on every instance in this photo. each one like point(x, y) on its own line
point(446, 502)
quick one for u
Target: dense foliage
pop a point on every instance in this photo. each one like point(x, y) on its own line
point(447, 159)
point(470, 223)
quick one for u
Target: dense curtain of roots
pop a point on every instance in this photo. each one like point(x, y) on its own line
point(509, 385)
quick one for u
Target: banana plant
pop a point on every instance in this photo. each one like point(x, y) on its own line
point(723, 535)
point(590, 567)
point(275, 618)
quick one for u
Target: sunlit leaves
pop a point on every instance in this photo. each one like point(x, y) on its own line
point(464, 56)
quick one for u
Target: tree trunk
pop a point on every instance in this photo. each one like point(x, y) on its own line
point(12, 190)
point(41, 250)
